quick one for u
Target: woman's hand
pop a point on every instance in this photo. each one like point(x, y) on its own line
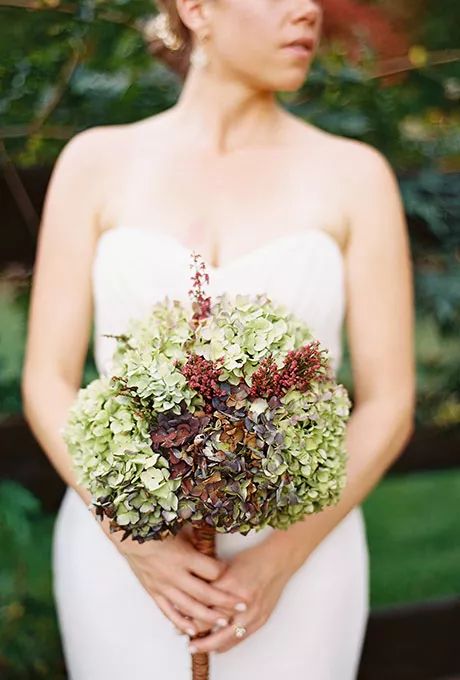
point(257, 576)
point(178, 577)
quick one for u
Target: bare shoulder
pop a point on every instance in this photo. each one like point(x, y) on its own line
point(367, 162)
point(376, 220)
point(77, 184)
point(91, 148)
point(371, 168)
point(80, 161)
point(96, 148)
point(89, 165)
point(369, 185)
point(358, 180)
point(362, 165)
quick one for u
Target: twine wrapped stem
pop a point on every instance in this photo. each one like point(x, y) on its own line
point(204, 540)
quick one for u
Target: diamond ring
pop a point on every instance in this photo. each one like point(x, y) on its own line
point(240, 631)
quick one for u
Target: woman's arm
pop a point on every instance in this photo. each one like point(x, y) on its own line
point(60, 310)
point(380, 328)
point(60, 307)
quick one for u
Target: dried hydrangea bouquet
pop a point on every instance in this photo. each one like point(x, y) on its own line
point(223, 413)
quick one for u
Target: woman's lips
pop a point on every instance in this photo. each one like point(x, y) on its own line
point(298, 50)
point(302, 46)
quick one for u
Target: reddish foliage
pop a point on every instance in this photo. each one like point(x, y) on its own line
point(347, 19)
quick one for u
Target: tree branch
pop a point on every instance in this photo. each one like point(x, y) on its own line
point(19, 192)
point(47, 131)
point(58, 92)
point(110, 16)
point(389, 67)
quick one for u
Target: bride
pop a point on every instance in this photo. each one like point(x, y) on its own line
point(272, 203)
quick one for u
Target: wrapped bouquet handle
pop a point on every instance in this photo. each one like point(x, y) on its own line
point(204, 540)
point(225, 414)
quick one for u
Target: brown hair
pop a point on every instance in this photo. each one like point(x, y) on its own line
point(177, 60)
point(177, 25)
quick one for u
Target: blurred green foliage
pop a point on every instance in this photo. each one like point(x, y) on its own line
point(12, 339)
point(29, 639)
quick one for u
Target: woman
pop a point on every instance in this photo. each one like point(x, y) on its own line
point(272, 203)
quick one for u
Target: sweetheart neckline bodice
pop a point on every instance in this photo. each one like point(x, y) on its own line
point(135, 266)
point(273, 242)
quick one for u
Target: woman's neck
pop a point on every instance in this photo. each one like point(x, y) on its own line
point(226, 114)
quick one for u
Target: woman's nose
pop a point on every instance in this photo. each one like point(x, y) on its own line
point(307, 10)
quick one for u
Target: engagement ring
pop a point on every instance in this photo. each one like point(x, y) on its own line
point(240, 631)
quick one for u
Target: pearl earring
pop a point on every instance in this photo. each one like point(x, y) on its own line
point(199, 57)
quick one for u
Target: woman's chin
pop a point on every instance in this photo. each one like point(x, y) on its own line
point(291, 83)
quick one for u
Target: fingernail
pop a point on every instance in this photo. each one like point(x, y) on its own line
point(191, 632)
point(241, 606)
point(192, 649)
point(222, 622)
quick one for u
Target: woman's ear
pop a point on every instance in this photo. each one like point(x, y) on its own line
point(194, 14)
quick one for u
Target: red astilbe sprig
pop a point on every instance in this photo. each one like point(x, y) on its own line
point(301, 367)
point(266, 380)
point(203, 376)
point(304, 365)
point(201, 304)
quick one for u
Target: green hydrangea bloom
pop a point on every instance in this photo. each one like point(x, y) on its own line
point(113, 459)
point(244, 330)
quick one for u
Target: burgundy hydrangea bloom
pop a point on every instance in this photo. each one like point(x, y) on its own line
point(175, 430)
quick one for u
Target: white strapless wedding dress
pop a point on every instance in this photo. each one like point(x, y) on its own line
point(111, 628)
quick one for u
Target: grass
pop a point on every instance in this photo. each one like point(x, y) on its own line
point(413, 527)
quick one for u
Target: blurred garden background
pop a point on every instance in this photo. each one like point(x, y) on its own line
point(388, 73)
